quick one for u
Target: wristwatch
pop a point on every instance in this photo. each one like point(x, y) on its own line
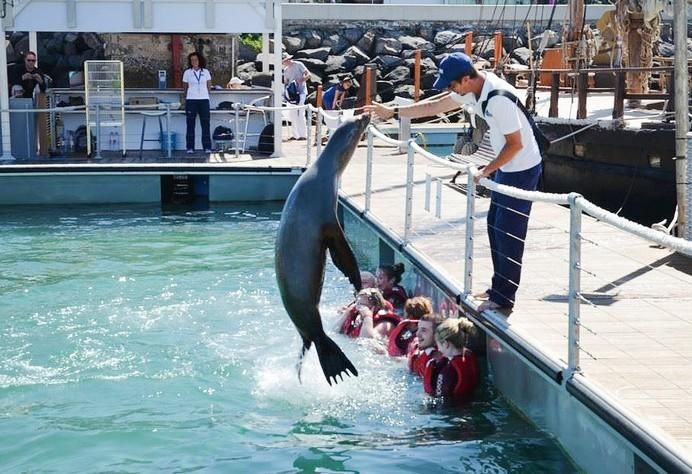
point(396, 113)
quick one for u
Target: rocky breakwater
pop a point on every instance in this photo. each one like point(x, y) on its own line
point(346, 47)
point(332, 52)
point(58, 53)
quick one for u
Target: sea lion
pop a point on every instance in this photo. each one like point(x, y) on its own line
point(308, 227)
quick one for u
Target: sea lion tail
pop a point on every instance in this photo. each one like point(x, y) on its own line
point(333, 361)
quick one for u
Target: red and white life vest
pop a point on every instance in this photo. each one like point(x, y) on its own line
point(353, 322)
point(402, 339)
point(453, 378)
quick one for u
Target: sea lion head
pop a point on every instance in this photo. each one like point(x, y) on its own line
point(345, 139)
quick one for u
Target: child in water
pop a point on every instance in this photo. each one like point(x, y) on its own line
point(402, 340)
point(371, 317)
point(388, 279)
point(426, 349)
point(457, 374)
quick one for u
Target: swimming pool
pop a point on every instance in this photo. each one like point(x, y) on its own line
point(137, 340)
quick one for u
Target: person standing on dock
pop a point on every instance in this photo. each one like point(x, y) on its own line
point(296, 72)
point(517, 162)
point(196, 87)
point(27, 76)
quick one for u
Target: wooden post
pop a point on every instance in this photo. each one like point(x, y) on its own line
point(554, 95)
point(416, 77)
point(318, 103)
point(368, 75)
point(619, 97)
point(582, 89)
point(498, 49)
point(318, 96)
point(468, 43)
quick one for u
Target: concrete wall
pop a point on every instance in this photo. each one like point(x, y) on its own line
point(137, 187)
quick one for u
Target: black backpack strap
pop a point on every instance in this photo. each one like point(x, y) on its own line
point(541, 140)
point(511, 97)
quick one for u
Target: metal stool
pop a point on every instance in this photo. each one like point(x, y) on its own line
point(145, 116)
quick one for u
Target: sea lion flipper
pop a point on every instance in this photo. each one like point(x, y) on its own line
point(343, 257)
point(333, 361)
point(303, 350)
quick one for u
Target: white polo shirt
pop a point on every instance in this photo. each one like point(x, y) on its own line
point(197, 83)
point(503, 117)
point(295, 71)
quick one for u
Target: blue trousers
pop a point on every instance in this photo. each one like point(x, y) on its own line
point(194, 107)
point(508, 221)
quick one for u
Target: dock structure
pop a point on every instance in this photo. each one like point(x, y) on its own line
point(635, 318)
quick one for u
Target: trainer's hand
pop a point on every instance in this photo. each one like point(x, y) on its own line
point(481, 174)
point(382, 111)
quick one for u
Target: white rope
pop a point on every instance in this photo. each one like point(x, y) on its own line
point(536, 196)
point(437, 160)
point(674, 243)
point(283, 107)
point(390, 141)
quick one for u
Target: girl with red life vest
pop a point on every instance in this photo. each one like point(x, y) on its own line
point(402, 340)
point(370, 317)
point(388, 279)
point(426, 349)
point(367, 280)
point(457, 374)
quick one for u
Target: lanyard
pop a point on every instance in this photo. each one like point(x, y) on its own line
point(199, 78)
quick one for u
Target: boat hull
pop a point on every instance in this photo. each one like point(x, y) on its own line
point(627, 170)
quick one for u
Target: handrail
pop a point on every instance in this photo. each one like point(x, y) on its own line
point(577, 203)
point(605, 69)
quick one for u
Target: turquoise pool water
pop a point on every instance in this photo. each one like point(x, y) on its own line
point(134, 340)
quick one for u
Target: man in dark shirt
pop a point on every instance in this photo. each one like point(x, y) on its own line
point(27, 75)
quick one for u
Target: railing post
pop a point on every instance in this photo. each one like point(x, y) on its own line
point(428, 183)
point(438, 199)
point(368, 172)
point(236, 107)
point(404, 133)
point(574, 283)
point(308, 146)
point(98, 132)
point(409, 192)
point(169, 141)
point(468, 242)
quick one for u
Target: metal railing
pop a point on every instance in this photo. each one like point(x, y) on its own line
point(578, 206)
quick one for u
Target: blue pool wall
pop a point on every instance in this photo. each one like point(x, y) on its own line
point(531, 381)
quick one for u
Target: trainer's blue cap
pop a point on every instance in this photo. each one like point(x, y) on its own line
point(452, 67)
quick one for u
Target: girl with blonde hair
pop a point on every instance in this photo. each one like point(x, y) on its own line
point(457, 374)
